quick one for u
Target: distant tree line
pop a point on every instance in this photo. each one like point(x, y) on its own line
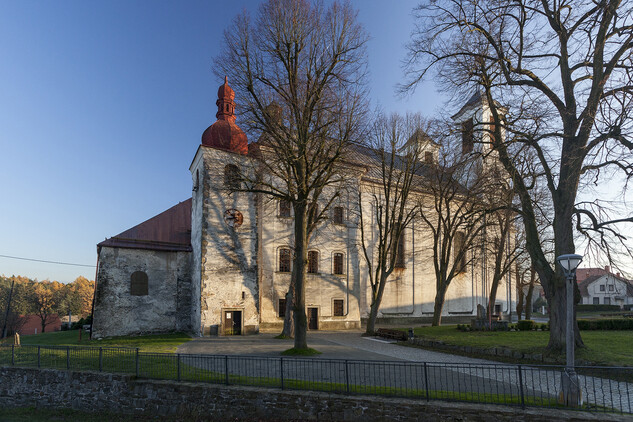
point(21, 296)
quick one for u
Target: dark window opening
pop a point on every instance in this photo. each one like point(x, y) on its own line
point(338, 216)
point(611, 287)
point(232, 177)
point(596, 301)
point(313, 262)
point(428, 157)
point(400, 251)
point(468, 140)
point(460, 251)
point(284, 260)
point(282, 308)
point(338, 263)
point(139, 284)
point(607, 301)
point(338, 307)
point(284, 208)
point(602, 289)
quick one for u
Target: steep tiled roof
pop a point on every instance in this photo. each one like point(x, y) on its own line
point(167, 231)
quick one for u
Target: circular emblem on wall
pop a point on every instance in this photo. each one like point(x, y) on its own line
point(233, 218)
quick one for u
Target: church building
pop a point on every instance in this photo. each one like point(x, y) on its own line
point(219, 263)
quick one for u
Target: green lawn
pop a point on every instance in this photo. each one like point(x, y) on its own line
point(612, 348)
point(159, 343)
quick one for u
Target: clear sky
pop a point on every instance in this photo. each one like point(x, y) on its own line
point(102, 106)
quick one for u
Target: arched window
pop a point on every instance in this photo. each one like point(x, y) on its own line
point(284, 260)
point(460, 251)
point(338, 263)
point(138, 284)
point(232, 177)
point(313, 262)
point(338, 215)
point(400, 252)
point(284, 208)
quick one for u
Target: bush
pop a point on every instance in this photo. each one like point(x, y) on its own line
point(525, 325)
point(605, 324)
point(597, 308)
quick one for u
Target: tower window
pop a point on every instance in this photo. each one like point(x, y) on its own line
point(284, 208)
point(459, 251)
point(428, 157)
point(338, 263)
point(468, 140)
point(338, 215)
point(313, 262)
point(232, 177)
point(400, 251)
point(284, 260)
point(138, 284)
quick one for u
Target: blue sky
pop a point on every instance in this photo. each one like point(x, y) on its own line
point(102, 106)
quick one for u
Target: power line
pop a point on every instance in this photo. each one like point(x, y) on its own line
point(47, 262)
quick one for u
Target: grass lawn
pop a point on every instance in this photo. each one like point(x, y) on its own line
point(611, 348)
point(159, 343)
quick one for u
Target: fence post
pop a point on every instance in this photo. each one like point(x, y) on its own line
point(178, 364)
point(13, 354)
point(67, 357)
point(138, 363)
point(281, 370)
point(521, 388)
point(100, 359)
point(38, 356)
point(346, 376)
point(226, 369)
point(426, 382)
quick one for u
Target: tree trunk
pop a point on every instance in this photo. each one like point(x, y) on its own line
point(288, 329)
point(375, 305)
point(530, 293)
point(300, 260)
point(437, 309)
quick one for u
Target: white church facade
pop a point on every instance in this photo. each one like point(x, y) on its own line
point(219, 263)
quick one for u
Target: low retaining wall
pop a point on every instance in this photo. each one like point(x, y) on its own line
point(493, 351)
point(119, 393)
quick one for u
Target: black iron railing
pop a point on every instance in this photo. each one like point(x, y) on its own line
point(604, 389)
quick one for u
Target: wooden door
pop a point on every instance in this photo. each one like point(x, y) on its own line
point(313, 318)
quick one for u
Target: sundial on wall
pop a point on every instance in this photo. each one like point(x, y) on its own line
point(233, 218)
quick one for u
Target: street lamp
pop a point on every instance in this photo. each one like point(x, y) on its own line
point(571, 389)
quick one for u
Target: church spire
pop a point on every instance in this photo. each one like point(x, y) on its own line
point(225, 103)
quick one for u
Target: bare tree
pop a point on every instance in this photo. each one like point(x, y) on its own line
point(453, 211)
point(395, 146)
point(557, 79)
point(300, 70)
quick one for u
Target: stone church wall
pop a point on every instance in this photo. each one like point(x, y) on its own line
point(164, 308)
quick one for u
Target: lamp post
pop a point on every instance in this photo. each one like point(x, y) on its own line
point(570, 388)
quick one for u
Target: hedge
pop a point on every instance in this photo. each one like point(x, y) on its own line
point(596, 308)
point(605, 324)
point(525, 325)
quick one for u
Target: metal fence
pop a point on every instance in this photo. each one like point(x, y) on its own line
point(604, 389)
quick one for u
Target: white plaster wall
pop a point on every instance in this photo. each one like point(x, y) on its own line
point(228, 270)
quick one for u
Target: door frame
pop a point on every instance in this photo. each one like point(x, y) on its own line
point(223, 324)
point(317, 316)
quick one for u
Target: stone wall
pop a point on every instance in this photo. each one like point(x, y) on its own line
point(20, 387)
point(166, 306)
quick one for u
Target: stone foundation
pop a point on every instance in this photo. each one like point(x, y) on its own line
point(117, 393)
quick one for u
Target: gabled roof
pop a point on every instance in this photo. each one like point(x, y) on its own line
point(167, 231)
point(583, 285)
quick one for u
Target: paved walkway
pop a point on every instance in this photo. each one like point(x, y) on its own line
point(332, 345)
point(401, 367)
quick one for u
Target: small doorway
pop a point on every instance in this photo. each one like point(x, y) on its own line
point(313, 318)
point(232, 323)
